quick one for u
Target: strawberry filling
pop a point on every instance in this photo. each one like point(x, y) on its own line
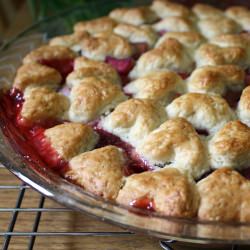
point(135, 163)
point(247, 77)
point(162, 32)
point(140, 48)
point(184, 75)
point(246, 172)
point(232, 97)
point(203, 132)
point(13, 102)
point(123, 66)
point(64, 66)
point(143, 203)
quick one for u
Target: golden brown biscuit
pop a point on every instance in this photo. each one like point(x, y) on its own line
point(230, 146)
point(92, 98)
point(203, 111)
point(156, 86)
point(71, 41)
point(108, 73)
point(99, 171)
point(171, 193)
point(135, 16)
point(102, 24)
point(225, 196)
point(236, 40)
point(212, 27)
point(216, 79)
point(191, 40)
point(165, 8)
point(137, 34)
point(47, 52)
point(133, 119)
point(106, 44)
point(84, 62)
point(171, 55)
point(174, 24)
point(71, 139)
point(34, 74)
point(175, 143)
point(243, 109)
point(41, 104)
point(211, 54)
point(204, 11)
point(240, 15)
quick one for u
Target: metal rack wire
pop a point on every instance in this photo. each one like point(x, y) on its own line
point(23, 189)
point(10, 233)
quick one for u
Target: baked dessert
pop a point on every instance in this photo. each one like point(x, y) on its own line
point(147, 107)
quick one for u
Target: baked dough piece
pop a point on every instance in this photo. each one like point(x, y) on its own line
point(135, 16)
point(106, 72)
point(34, 74)
point(172, 193)
point(205, 11)
point(42, 104)
point(71, 41)
point(137, 34)
point(212, 27)
point(171, 55)
point(47, 52)
point(216, 79)
point(225, 196)
point(191, 40)
point(211, 54)
point(133, 119)
point(240, 15)
point(92, 98)
point(156, 86)
point(102, 24)
point(243, 109)
point(106, 44)
point(203, 111)
point(71, 139)
point(176, 143)
point(230, 146)
point(84, 62)
point(236, 40)
point(174, 24)
point(99, 171)
point(166, 8)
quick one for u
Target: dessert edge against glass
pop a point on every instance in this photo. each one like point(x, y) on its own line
point(148, 107)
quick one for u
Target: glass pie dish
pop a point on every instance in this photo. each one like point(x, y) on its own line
point(25, 166)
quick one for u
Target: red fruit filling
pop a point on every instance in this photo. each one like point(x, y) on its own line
point(13, 102)
point(143, 203)
point(135, 163)
point(140, 48)
point(246, 172)
point(64, 66)
point(203, 132)
point(247, 77)
point(21, 139)
point(162, 32)
point(123, 66)
point(44, 149)
point(125, 79)
point(233, 98)
point(184, 75)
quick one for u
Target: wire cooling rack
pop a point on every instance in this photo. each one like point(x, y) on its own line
point(38, 209)
point(22, 190)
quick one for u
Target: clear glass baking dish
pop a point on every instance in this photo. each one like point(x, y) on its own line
point(53, 186)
